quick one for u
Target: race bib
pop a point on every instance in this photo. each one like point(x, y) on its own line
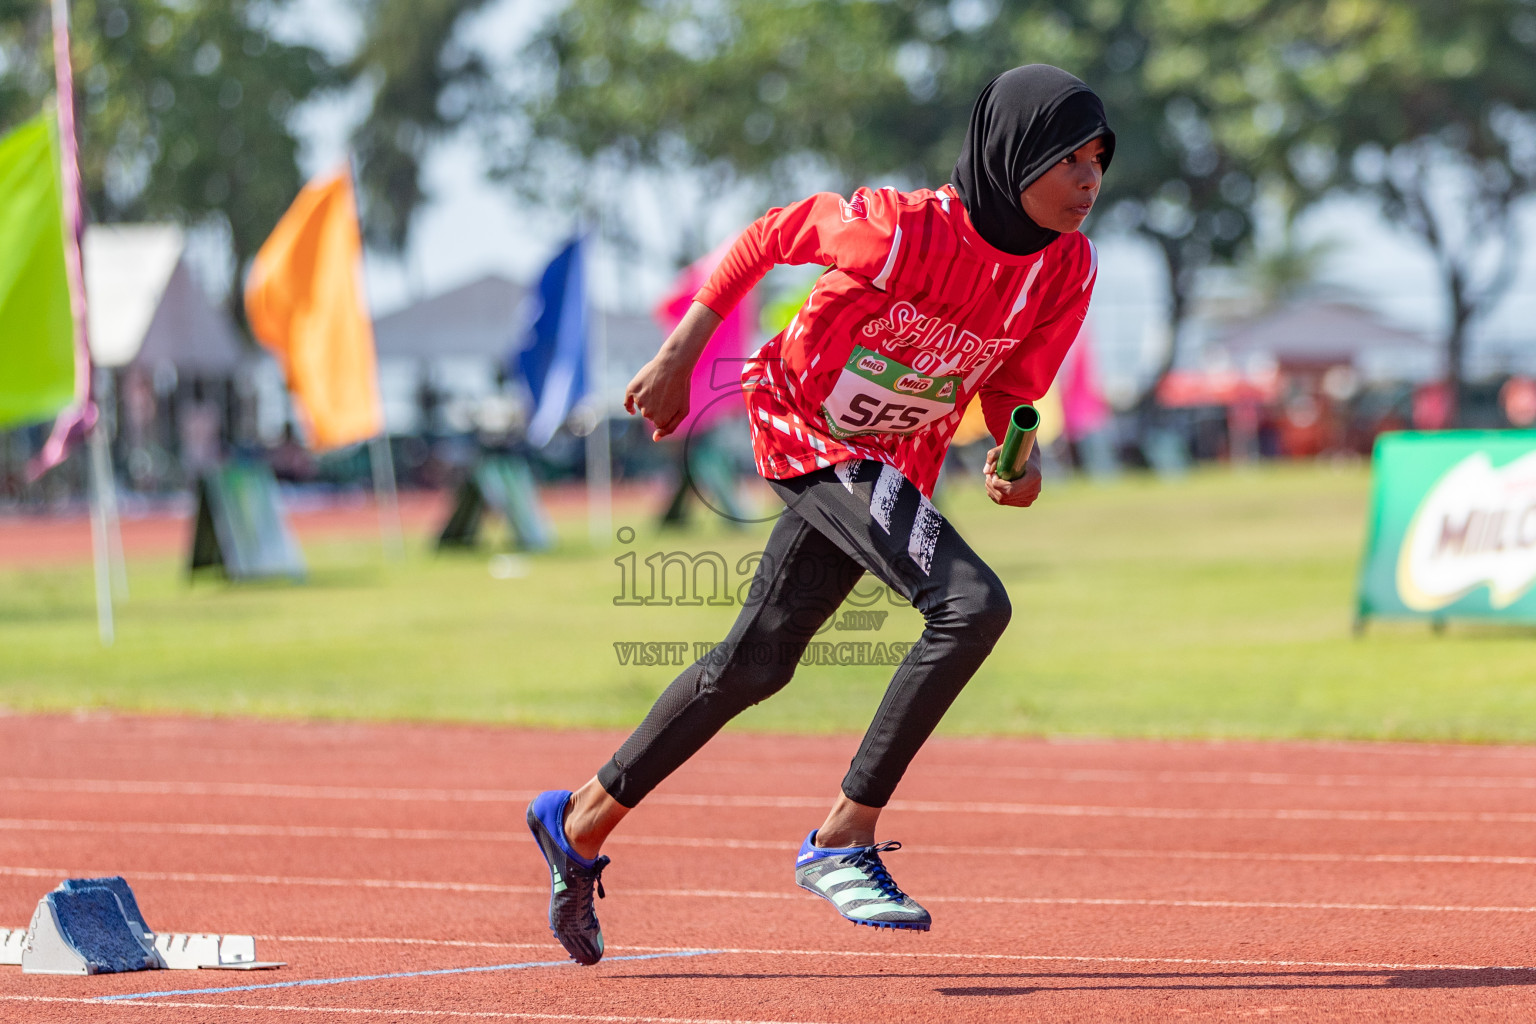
point(877, 395)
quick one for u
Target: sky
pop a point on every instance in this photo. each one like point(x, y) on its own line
point(471, 227)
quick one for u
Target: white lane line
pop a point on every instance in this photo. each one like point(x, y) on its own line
point(1084, 901)
point(759, 802)
point(396, 940)
point(281, 831)
point(1097, 811)
point(1383, 748)
point(879, 954)
point(150, 787)
point(222, 879)
point(1097, 959)
point(1428, 751)
point(1085, 853)
point(748, 894)
point(395, 1012)
point(447, 835)
point(1116, 776)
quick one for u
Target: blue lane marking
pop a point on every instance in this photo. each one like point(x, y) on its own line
point(382, 977)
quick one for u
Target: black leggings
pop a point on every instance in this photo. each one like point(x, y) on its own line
point(840, 522)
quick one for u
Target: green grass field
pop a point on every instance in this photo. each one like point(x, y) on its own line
point(1218, 606)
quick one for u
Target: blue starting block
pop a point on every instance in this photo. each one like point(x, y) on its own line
point(119, 886)
point(81, 928)
point(94, 926)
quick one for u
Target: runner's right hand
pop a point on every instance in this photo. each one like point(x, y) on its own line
point(659, 392)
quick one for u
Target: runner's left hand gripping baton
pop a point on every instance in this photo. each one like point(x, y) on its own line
point(1018, 442)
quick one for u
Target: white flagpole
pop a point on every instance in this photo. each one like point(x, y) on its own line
point(380, 459)
point(105, 426)
point(100, 463)
point(100, 484)
point(599, 453)
point(385, 497)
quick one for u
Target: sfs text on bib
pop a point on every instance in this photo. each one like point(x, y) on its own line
point(877, 395)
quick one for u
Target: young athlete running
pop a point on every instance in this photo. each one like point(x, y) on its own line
point(933, 298)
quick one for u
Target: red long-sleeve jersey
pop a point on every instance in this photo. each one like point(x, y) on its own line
point(917, 315)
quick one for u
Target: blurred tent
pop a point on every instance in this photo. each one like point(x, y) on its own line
point(1325, 353)
point(147, 310)
point(475, 321)
point(1184, 389)
point(182, 378)
point(439, 357)
point(472, 321)
point(631, 342)
point(1315, 336)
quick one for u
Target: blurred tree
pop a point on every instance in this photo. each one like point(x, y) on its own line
point(1282, 273)
point(863, 90)
point(184, 109)
point(24, 28)
point(1425, 105)
point(426, 80)
point(1430, 109)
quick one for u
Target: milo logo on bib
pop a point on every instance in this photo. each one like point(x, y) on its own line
point(877, 395)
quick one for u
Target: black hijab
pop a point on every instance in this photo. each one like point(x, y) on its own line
point(1024, 121)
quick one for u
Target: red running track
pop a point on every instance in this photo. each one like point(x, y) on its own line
point(33, 541)
point(1069, 881)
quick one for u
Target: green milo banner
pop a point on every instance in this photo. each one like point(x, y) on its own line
point(1452, 531)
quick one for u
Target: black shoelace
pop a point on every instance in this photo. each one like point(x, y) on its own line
point(597, 881)
point(869, 860)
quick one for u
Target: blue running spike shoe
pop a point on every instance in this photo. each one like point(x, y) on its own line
point(854, 880)
point(572, 879)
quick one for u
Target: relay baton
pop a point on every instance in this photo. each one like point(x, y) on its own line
point(1018, 442)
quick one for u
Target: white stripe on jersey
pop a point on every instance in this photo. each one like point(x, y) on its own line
point(1023, 296)
point(890, 262)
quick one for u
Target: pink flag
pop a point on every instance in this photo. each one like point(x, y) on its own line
point(715, 390)
point(1082, 399)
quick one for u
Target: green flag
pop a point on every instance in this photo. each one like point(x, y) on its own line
point(37, 347)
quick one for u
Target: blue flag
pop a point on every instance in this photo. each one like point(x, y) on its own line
point(553, 362)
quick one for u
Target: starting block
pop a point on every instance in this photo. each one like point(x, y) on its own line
point(83, 930)
point(119, 888)
point(11, 941)
point(94, 926)
point(209, 952)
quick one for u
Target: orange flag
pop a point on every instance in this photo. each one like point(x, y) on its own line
point(304, 298)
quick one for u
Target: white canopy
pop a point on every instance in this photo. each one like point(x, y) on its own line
point(127, 267)
point(481, 319)
point(146, 307)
